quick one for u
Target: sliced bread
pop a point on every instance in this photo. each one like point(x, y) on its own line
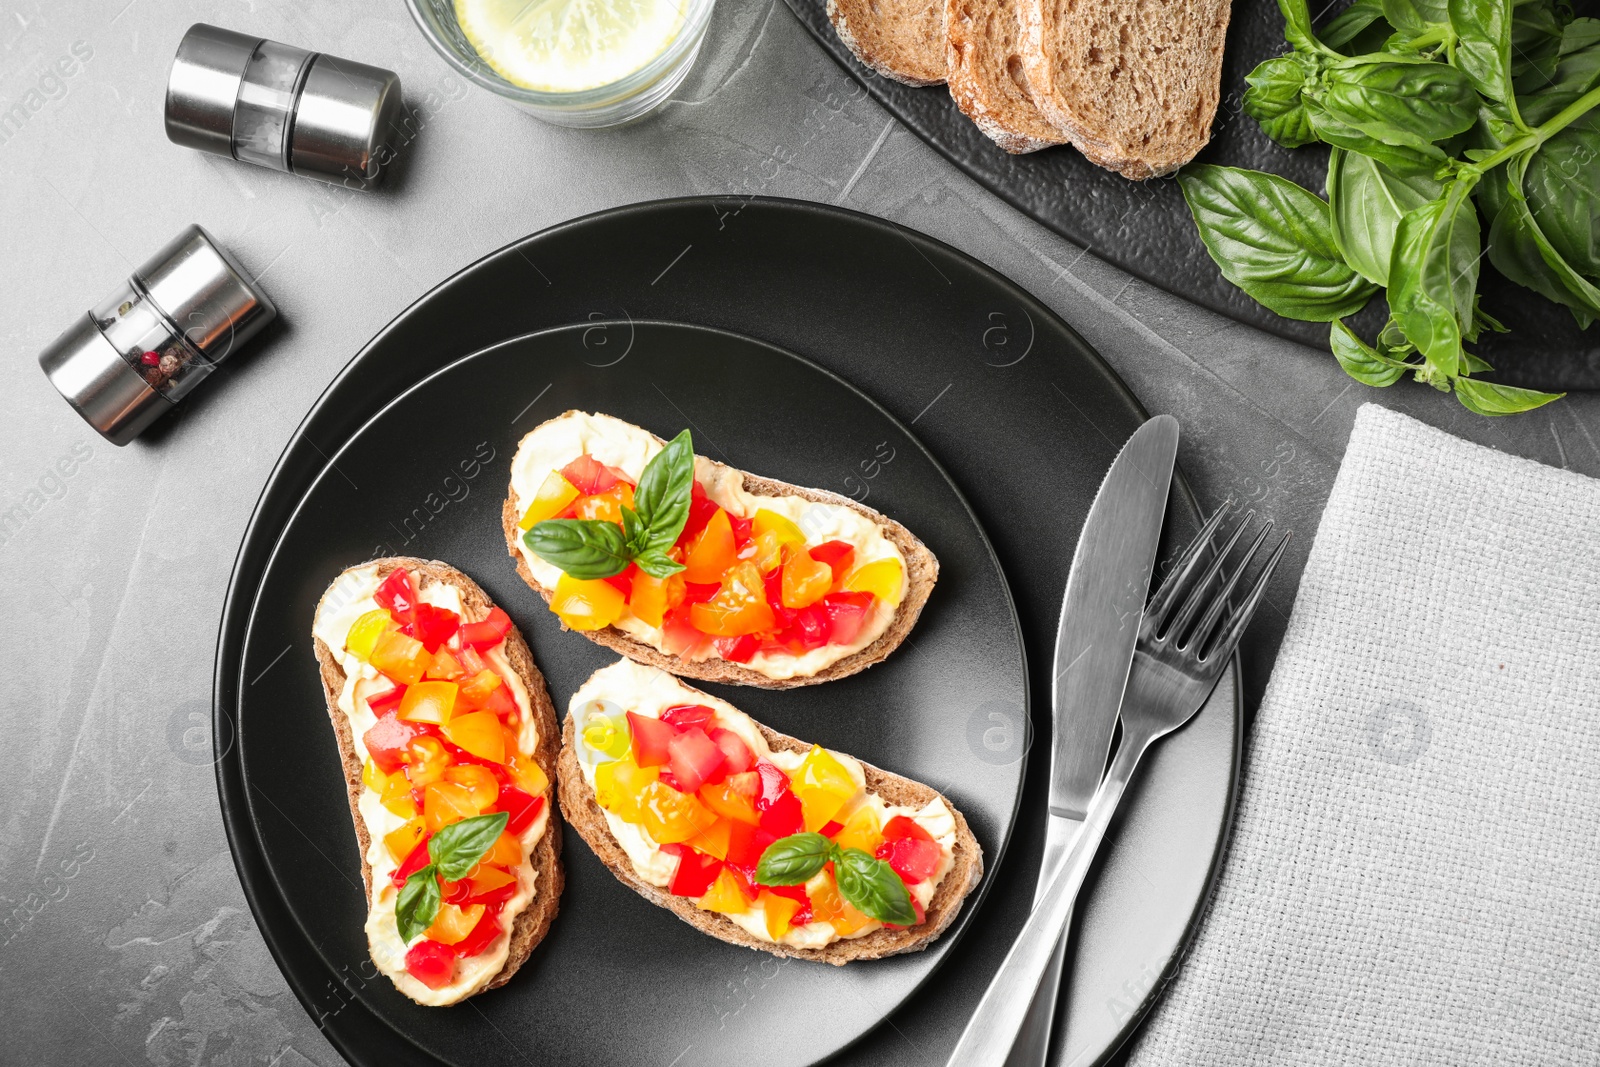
point(1133, 84)
point(987, 82)
point(900, 39)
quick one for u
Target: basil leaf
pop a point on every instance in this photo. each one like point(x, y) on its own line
point(662, 496)
point(872, 888)
point(1412, 17)
point(1349, 24)
point(418, 903)
point(1433, 276)
point(1402, 159)
point(657, 564)
point(1273, 239)
point(794, 859)
point(1410, 105)
point(1519, 249)
point(1482, 398)
point(1297, 28)
point(634, 531)
point(457, 848)
point(1483, 45)
point(1366, 201)
point(1562, 184)
point(1536, 43)
point(1361, 361)
point(1573, 73)
point(584, 548)
point(1273, 98)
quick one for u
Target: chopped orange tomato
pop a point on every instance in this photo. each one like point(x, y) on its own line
point(444, 666)
point(453, 923)
point(488, 879)
point(712, 551)
point(883, 578)
point(740, 606)
point(505, 852)
point(713, 840)
point(528, 775)
point(400, 657)
point(779, 913)
point(551, 500)
point(669, 816)
point(480, 782)
point(429, 702)
point(823, 785)
point(444, 803)
point(861, 830)
point(479, 733)
point(591, 604)
point(724, 896)
point(652, 598)
point(606, 506)
point(829, 907)
point(426, 760)
point(805, 581)
point(401, 841)
point(734, 797)
point(476, 689)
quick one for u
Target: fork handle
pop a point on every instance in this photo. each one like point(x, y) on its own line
point(993, 1029)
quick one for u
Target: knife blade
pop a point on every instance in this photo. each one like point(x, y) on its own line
point(1106, 589)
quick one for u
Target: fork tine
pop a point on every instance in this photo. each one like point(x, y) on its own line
point(1191, 606)
point(1219, 603)
point(1174, 582)
point(1236, 625)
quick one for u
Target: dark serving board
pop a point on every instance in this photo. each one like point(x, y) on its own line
point(1020, 414)
point(1145, 228)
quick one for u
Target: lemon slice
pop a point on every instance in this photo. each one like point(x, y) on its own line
point(569, 45)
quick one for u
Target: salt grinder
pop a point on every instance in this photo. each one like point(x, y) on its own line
point(131, 359)
point(281, 107)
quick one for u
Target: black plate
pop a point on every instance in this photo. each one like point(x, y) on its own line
point(1145, 228)
point(427, 477)
point(1023, 416)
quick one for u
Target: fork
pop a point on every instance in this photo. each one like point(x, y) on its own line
point(1176, 664)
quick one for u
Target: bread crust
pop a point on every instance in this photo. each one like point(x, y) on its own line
point(901, 39)
point(584, 814)
point(922, 571)
point(983, 45)
point(533, 923)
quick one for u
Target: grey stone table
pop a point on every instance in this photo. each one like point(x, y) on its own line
point(124, 935)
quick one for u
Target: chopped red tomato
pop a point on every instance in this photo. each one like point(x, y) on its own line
point(501, 703)
point(624, 581)
point(695, 872)
point(700, 592)
point(650, 740)
point(384, 703)
point(701, 508)
point(416, 859)
point(741, 649)
point(737, 754)
point(482, 935)
point(431, 625)
point(589, 476)
point(846, 614)
point(746, 843)
point(838, 555)
point(488, 633)
point(904, 826)
point(397, 595)
point(741, 530)
point(431, 963)
point(831, 828)
point(778, 808)
point(684, 716)
point(523, 808)
point(386, 741)
point(695, 759)
point(914, 859)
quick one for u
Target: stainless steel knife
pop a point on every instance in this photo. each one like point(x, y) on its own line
point(1106, 590)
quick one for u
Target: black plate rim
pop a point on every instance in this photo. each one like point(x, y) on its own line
point(233, 792)
point(958, 928)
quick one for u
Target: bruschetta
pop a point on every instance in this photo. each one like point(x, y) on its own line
point(448, 743)
point(684, 563)
point(753, 837)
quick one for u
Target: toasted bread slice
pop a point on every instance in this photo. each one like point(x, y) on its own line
point(585, 815)
point(533, 922)
point(900, 39)
point(987, 82)
point(1133, 85)
point(921, 572)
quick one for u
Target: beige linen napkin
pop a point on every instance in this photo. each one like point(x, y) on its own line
point(1414, 874)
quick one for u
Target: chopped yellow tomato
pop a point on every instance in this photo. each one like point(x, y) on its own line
point(453, 923)
point(401, 841)
point(779, 913)
point(426, 760)
point(396, 796)
point(400, 657)
point(829, 907)
point(786, 532)
point(371, 777)
point(805, 581)
point(590, 604)
point(479, 733)
point(724, 896)
point(444, 803)
point(551, 500)
point(734, 797)
point(823, 785)
point(652, 598)
point(861, 830)
point(365, 631)
point(712, 551)
point(604, 734)
point(669, 816)
point(528, 776)
point(606, 506)
point(479, 781)
point(765, 551)
point(740, 606)
point(618, 785)
point(883, 578)
point(429, 702)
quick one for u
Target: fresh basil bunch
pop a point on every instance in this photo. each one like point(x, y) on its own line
point(454, 850)
point(1459, 129)
point(594, 548)
point(869, 885)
